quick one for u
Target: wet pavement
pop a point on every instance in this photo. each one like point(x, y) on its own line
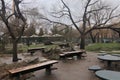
point(71, 70)
point(67, 70)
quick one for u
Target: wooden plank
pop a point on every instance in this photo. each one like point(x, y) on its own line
point(18, 70)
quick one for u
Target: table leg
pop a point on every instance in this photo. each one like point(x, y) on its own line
point(79, 56)
point(109, 63)
point(31, 53)
point(18, 77)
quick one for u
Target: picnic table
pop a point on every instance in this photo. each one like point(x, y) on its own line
point(108, 75)
point(77, 53)
point(32, 50)
point(109, 59)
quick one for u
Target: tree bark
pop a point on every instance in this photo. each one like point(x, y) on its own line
point(3, 45)
point(15, 57)
point(82, 43)
point(93, 38)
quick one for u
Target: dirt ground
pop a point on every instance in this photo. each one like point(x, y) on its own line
point(70, 69)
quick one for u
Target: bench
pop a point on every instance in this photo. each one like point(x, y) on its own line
point(32, 50)
point(27, 69)
point(77, 53)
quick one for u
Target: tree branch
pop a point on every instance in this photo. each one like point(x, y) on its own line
point(93, 3)
point(69, 11)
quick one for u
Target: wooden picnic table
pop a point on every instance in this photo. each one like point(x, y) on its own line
point(32, 50)
point(77, 53)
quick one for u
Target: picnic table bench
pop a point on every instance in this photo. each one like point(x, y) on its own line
point(32, 50)
point(77, 53)
point(30, 68)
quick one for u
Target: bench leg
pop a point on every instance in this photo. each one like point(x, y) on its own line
point(31, 53)
point(62, 57)
point(17, 77)
point(48, 70)
point(79, 56)
point(43, 50)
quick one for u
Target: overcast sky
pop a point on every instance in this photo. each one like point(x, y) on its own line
point(49, 3)
point(46, 6)
point(52, 4)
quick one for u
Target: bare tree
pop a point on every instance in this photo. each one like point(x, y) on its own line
point(96, 15)
point(41, 32)
point(8, 17)
point(29, 31)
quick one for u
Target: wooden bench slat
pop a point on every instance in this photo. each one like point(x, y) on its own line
point(18, 70)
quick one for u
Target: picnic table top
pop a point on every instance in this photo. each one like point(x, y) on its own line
point(108, 75)
point(109, 58)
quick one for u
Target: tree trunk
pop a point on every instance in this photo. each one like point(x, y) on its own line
point(98, 39)
point(82, 43)
point(93, 38)
point(15, 57)
point(3, 46)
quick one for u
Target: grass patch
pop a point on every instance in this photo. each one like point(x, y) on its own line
point(103, 47)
